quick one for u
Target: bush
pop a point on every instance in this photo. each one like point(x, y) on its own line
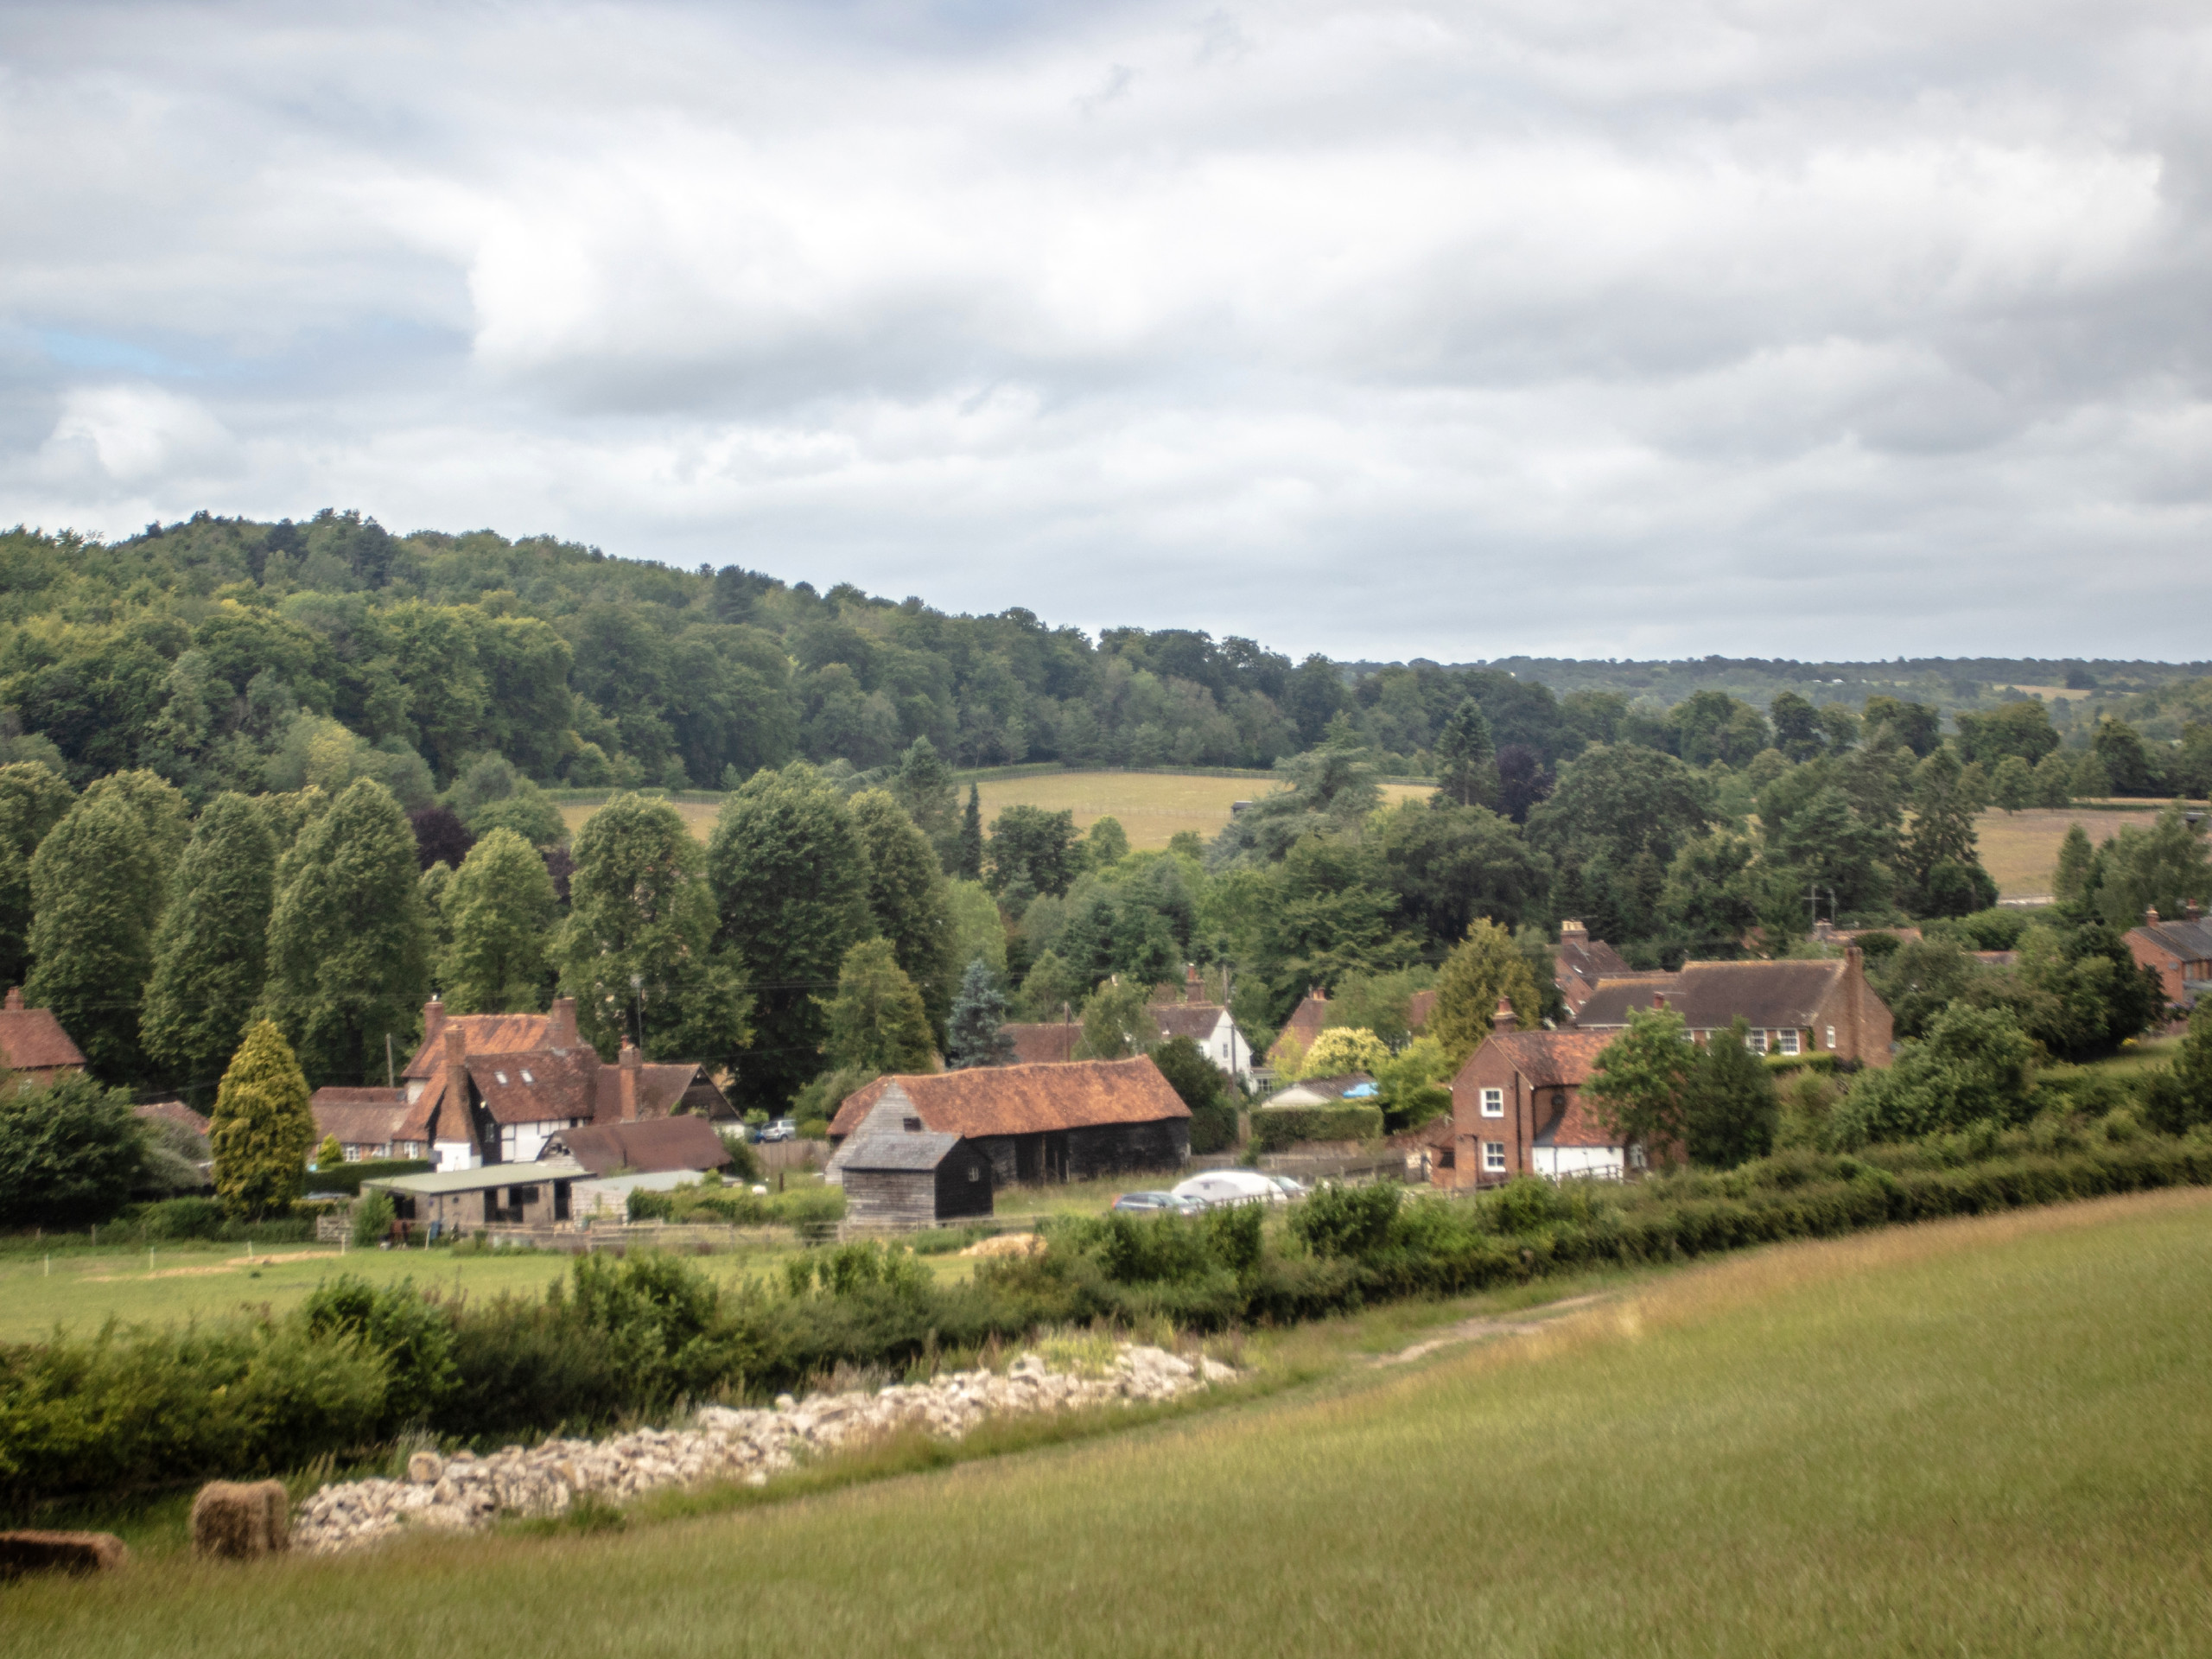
point(70, 1152)
point(1274, 1127)
point(177, 1218)
point(744, 1162)
point(372, 1218)
point(1348, 1221)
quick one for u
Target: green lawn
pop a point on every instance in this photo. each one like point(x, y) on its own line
point(1989, 1437)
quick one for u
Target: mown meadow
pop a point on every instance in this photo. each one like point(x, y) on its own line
point(1974, 1436)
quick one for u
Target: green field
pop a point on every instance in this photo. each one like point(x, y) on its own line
point(1150, 806)
point(2020, 850)
point(1985, 1437)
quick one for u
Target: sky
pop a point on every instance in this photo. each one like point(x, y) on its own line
point(1595, 327)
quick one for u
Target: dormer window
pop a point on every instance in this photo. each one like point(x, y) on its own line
point(526, 1077)
point(502, 1076)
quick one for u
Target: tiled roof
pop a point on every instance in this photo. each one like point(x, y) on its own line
point(537, 1086)
point(1576, 1125)
point(1548, 1059)
point(1590, 959)
point(481, 1034)
point(1419, 1007)
point(1196, 1020)
point(31, 1040)
point(659, 1143)
point(1768, 995)
point(1305, 1023)
point(172, 1111)
point(358, 1117)
point(2186, 941)
point(1045, 1045)
point(1026, 1099)
point(660, 1088)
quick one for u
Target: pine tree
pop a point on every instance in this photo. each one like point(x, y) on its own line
point(498, 911)
point(875, 1022)
point(33, 799)
point(211, 950)
point(349, 944)
point(969, 859)
point(925, 788)
point(329, 1154)
point(638, 943)
point(263, 1127)
point(909, 898)
point(1467, 757)
point(2076, 858)
point(96, 892)
point(1729, 1108)
point(1482, 968)
point(792, 884)
point(977, 1028)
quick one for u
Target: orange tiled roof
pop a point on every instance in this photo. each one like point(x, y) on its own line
point(1026, 1099)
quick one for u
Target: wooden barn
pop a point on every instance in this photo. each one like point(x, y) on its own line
point(901, 1181)
point(1083, 1120)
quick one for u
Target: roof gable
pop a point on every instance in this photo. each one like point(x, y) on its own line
point(1547, 1059)
point(651, 1145)
point(31, 1040)
point(2191, 941)
point(481, 1034)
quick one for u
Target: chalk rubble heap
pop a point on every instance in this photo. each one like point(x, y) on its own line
point(467, 1492)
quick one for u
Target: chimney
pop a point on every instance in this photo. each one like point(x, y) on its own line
point(1502, 1017)
point(561, 1024)
point(2150, 919)
point(455, 1066)
point(14, 998)
point(434, 1020)
point(1659, 999)
point(2189, 909)
point(627, 1073)
point(1572, 931)
point(1194, 988)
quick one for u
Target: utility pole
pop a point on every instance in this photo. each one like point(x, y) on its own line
point(390, 1079)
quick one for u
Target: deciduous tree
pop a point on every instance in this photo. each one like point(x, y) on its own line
point(909, 898)
point(211, 950)
point(1729, 1111)
point(500, 912)
point(33, 799)
point(95, 889)
point(875, 1022)
point(70, 1152)
point(1640, 1083)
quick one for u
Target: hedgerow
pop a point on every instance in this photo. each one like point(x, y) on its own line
point(357, 1365)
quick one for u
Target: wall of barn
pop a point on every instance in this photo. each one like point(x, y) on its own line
point(1098, 1153)
point(890, 1200)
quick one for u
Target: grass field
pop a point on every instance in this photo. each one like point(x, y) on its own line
point(1986, 1437)
point(2020, 850)
point(84, 1287)
point(1150, 806)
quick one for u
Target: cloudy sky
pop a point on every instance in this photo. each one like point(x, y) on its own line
point(1774, 326)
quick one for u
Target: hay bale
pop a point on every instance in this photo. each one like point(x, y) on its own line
point(22, 1553)
point(1008, 1245)
point(241, 1519)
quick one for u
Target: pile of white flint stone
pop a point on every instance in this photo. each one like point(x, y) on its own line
point(466, 1491)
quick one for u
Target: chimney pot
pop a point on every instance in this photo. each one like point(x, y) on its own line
point(1658, 999)
point(627, 1081)
point(2150, 919)
point(1502, 1017)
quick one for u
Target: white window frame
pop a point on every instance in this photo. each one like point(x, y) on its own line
point(1831, 1036)
point(1494, 1104)
point(1790, 1041)
point(1494, 1156)
point(1755, 1041)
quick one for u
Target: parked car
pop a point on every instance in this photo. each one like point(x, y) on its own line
point(1215, 1187)
point(1291, 1186)
point(782, 1128)
point(1154, 1204)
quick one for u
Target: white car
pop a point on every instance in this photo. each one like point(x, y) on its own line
point(1224, 1186)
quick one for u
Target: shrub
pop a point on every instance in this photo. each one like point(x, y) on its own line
point(179, 1218)
point(70, 1152)
point(1348, 1221)
point(372, 1218)
point(410, 1334)
point(1276, 1127)
point(1974, 1065)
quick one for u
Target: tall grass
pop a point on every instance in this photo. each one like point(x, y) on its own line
point(1984, 1437)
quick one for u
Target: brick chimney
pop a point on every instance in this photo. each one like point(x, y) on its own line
point(1573, 933)
point(1659, 999)
point(627, 1081)
point(434, 1020)
point(14, 998)
point(1194, 988)
point(454, 1067)
point(1502, 1017)
point(561, 1024)
point(2150, 919)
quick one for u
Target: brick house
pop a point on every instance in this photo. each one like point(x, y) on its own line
point(1516, 1109)
point(1305, 1023)
point(33, 1043)
point(1791, 1007)
point(1579, 962)
point(2179, 952)
point(1070, 1122)
point(494, 1088)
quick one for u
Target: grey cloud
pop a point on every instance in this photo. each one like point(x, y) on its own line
point(1451, 330)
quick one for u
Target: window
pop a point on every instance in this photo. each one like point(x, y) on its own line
point(913, 1125)
point(1494, 1156)
point(1494, 1106)
point(1831, 1036)
point(1755, 1041)
point(975, 1172)
point(502, 1076)
point(1789, 1042)
point(526, 1077)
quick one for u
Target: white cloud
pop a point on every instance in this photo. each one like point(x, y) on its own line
point(1443, 329)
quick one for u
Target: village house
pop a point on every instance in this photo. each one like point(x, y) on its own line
point(1518, 1109)
point(33, 1043)
point(1305, 1024)
point(1790, 1008)
point(1044, 1045)
point(445, 1201)
point(1579, 962)
point(1207, 1024)
point(2179, 952)
point(1071, 1122)
point(494, 1088)
point(365, 1121)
